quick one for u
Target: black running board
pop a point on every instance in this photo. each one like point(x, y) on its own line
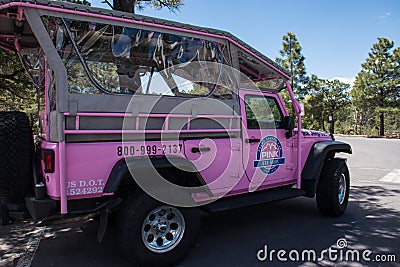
point(250, 199)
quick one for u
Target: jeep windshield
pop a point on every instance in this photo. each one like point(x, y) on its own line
point(111, 59)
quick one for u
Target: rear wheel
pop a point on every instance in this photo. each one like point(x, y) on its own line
point(16, 146)
point(333, 188)
point(155, 234)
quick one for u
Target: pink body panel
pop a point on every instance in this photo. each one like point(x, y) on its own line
point(227, 168)
point(221, 167)
point(88, 165)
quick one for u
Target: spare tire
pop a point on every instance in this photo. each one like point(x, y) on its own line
point(16, 146)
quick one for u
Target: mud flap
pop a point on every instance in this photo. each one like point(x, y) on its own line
point(104, 218)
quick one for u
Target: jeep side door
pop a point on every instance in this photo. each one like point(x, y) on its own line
point(268, 153)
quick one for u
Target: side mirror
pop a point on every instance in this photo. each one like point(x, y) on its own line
point(288, 123)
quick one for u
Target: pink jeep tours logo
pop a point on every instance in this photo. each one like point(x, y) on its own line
point(269, 155)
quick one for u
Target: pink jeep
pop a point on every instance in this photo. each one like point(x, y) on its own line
point(152, 121)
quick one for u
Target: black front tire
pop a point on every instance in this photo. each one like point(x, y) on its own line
point(131, 222)
point(333, 188)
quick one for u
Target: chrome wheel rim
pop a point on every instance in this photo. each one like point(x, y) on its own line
point(163, 229)
point(342, 189)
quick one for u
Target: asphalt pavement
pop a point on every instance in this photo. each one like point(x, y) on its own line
point(246, 237)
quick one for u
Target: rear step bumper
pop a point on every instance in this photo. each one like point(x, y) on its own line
point(260, 197)
point(41, 208)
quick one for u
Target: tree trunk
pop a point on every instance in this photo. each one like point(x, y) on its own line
point(382, 115)
point(355, 129)
point(125, 5)
point(128, 83)
point(382, 124)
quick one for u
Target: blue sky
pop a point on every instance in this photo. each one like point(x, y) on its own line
point(336, 36)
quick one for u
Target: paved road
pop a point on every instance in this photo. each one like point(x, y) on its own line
point(372, 222)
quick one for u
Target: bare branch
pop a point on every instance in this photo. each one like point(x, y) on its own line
point(108, 3)
point(172, 5)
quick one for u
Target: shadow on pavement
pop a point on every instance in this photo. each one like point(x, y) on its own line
point(233, 238)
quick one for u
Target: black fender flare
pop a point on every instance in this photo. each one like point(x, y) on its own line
point(319, 153)
point(121, 168)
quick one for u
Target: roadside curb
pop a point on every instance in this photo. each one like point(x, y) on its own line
point(348, 135)
point(366, 136)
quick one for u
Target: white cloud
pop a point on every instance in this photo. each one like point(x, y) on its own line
point(349, 80)
point(385, 16)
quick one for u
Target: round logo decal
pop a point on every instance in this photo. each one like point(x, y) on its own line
point(269, 155)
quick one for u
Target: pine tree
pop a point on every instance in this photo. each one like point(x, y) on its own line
point(292, 59)
point(379, 79)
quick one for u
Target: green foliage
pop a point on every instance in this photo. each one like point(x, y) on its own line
point(198, 90)
point(373, 102)
point(292, 59)
point(260, 108)
point(16, 89)
point(326, 98)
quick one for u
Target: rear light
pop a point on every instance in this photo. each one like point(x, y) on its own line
point(48, 159)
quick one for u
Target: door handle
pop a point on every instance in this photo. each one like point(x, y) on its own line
point(200, 149)
point(252, 140)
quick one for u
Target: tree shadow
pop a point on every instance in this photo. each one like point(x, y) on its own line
point(13, 241)
point(378, 227)
point(235, 237)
